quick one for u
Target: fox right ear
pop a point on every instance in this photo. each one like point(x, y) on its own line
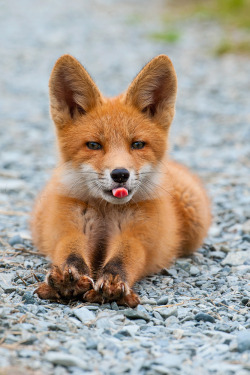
point(153, 91)
point(72, 91)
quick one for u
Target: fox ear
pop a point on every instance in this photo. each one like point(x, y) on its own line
point(153, 91)
point(72, 91)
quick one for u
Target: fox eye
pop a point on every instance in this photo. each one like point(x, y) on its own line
point(93, 145)
point(137, 145)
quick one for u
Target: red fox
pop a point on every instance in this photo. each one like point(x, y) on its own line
point(116, 209)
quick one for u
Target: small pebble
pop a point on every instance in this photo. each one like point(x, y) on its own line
point(29, 298)
point(15, 240)
point(243, 340)
point(166, 312)
point(194, 271)
point(223, 327)
point(236, 258)
point(246, 301)
point(64, 359)
point(84, 315)
point(162, 301)
point(133, 314)
point(205, 317)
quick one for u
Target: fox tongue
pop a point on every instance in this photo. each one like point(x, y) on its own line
point(120, 192)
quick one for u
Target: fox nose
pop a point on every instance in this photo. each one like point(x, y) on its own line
point(120, 175)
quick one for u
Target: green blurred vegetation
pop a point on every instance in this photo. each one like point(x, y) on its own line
point(231, 46)
point(169, 36)
point(232, 15)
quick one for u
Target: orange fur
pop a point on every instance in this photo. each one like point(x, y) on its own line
point(77, 221)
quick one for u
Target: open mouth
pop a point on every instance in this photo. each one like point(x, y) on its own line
point(119, 192)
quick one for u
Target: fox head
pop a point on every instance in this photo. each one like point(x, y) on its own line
point(112, 149)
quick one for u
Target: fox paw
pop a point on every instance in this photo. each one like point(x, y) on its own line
point(66, 283)
point(44, 291)
point(93, 296)
point(131, 299)
point(111, 288)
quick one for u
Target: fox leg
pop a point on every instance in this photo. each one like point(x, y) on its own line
point(63, 239)
point(123, 265)
point(69, 276)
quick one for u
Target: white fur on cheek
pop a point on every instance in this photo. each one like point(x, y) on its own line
point(80, 182)
point(148, 181)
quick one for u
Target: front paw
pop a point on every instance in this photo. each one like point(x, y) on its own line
point(110, 288)
point(131, 299)
point(66, 283)
point(44, 291)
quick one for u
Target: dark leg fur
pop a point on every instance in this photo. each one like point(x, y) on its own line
point(69, 282)
point(111, 286)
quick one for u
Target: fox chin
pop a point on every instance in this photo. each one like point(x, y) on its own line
point(116, 208)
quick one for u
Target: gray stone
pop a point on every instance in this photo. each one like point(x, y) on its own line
point(243, 340)
point(84, 315)
point(9, 289)
point(224, 327)
point(29, 298)
point(141, 322)
point(52, 344)
point(169, 272)
point(141, 308)
point(194, 271)
point(5, 282)
point(246, 227)
point(29, 340)
point(105, 323)
point(171, 321)
point(205, 317)
point(246, 301)
point(11, 185)
point(133, 314)
point(93, 307)
point(57, 327)
point(15, 240)
point(215, 231)
point(187, 317)
point(28, 264)
point(236, 258)
point(129, 330)
point(114, 306)
point(183, 264)
point(75, 321)
point(157, 315)
point(162, 301)
point(218, 254)
point(25, 353)
point(168, 360)
point(148, 301)
point(166, 312)
point(91, 344)
point(64, 359)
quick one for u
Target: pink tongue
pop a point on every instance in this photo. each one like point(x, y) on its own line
point(120, 192)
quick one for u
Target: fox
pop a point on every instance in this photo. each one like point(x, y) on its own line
point(116, 208)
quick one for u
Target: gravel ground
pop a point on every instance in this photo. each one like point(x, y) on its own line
point(194, 318)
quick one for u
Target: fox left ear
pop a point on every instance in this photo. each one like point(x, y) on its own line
point(72, 91)
point(153, 91)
